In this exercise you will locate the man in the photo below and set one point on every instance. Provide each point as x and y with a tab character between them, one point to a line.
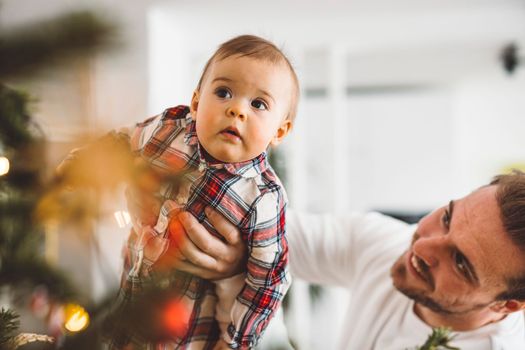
462	266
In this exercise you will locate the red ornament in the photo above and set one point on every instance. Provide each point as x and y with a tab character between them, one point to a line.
175	317
176	231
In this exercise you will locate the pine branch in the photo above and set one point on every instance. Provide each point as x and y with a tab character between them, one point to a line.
29	271
9	323
25	51
438	340
26	338
14	116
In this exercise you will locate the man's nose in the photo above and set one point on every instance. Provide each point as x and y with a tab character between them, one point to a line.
430	249
236	110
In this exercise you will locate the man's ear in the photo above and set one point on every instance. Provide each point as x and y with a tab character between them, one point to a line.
194	104
281	133
508	306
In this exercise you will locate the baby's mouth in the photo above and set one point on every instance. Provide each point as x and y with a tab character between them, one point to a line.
231	131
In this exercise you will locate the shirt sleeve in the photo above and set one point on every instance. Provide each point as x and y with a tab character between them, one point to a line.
330	249
267	279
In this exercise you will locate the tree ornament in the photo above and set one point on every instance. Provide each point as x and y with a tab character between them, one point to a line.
76	318
4	166
40	304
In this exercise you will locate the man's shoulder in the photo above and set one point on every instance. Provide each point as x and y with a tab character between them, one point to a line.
368	225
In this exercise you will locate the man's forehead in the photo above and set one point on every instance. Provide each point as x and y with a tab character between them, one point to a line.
479	206
482	236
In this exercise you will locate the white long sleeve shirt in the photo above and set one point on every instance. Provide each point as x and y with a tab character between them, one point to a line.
356	252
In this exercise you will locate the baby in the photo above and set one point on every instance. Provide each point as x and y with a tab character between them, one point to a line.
214	152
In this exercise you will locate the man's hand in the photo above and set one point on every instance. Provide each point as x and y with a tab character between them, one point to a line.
193	249
206	255
221	345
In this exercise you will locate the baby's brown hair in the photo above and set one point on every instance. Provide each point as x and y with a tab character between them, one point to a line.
259	49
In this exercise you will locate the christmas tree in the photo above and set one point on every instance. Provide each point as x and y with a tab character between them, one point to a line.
24	52
29	200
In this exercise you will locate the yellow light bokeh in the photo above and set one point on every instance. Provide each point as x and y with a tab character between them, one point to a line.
4	166
76	318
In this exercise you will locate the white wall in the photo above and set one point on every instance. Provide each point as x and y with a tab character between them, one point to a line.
490	126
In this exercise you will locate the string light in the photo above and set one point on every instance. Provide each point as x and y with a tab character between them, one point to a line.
4	166
122	218
76	318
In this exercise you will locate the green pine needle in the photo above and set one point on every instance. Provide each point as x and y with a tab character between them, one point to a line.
14	117
438	340
9	323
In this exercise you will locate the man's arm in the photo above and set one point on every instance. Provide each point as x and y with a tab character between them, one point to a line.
320	247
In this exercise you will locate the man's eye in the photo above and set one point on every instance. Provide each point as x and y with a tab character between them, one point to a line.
223	93
446	218
461	265
259	104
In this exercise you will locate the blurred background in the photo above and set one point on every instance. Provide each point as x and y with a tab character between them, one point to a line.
404	105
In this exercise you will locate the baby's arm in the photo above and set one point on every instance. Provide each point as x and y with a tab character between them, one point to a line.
101	164
267	279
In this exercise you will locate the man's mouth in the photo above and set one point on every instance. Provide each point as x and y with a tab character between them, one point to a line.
420	268
415	263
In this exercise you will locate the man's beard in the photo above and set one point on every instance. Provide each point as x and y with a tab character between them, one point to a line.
426	301
399	272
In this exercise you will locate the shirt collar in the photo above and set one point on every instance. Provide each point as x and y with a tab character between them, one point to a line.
248	169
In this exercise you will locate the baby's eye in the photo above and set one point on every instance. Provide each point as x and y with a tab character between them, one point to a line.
259	104
223	93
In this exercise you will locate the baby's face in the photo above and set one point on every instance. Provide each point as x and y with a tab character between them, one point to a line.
241	107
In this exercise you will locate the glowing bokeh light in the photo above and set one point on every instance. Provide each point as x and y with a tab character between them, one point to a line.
175	318
4	166
76	318
122	218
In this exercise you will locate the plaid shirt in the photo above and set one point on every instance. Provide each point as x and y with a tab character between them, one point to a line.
248	194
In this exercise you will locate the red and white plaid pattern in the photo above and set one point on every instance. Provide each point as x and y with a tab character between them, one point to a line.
248	194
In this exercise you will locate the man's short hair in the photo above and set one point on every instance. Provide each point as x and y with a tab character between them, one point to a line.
510	195
259	49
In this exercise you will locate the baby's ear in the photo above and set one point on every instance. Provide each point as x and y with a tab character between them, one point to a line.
194	104
281	133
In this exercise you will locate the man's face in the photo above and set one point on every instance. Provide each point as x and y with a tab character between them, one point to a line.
241	107
460	256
